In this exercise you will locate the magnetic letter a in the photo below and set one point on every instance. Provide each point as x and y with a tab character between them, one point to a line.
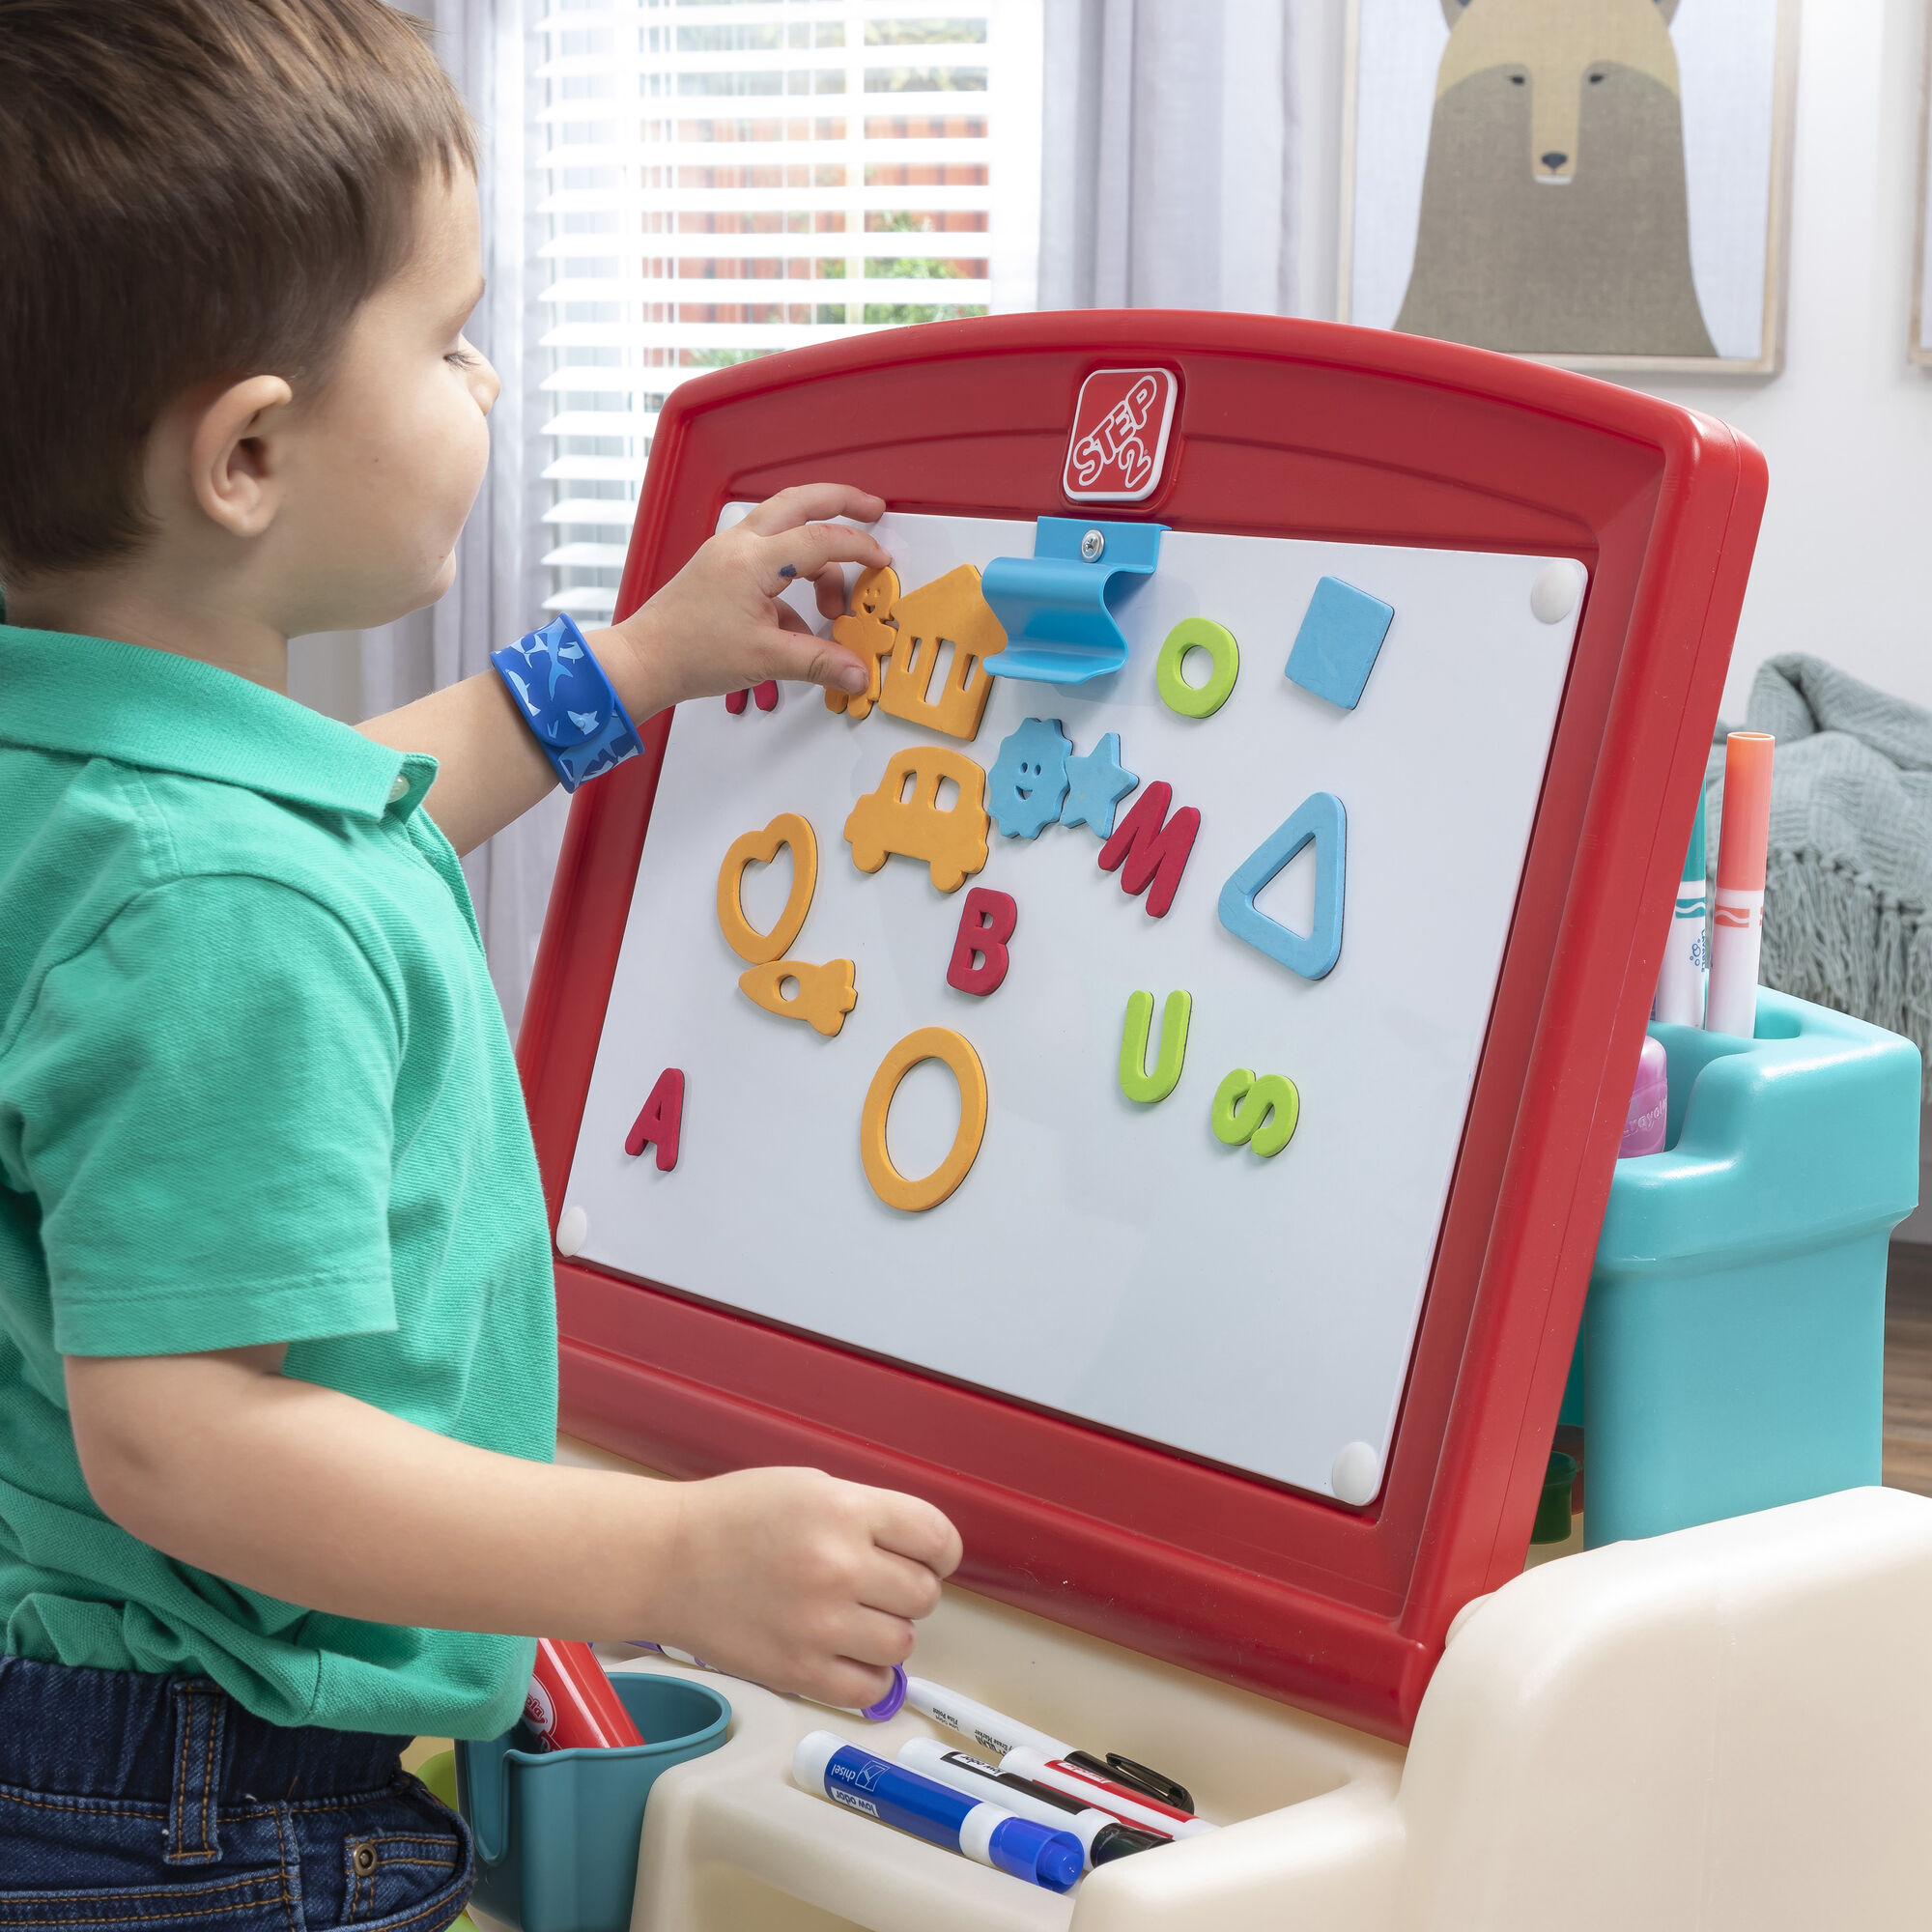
1321	818
986	922
659	1121
1153	852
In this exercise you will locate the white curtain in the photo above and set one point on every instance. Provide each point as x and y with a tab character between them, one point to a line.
1169	130
500	583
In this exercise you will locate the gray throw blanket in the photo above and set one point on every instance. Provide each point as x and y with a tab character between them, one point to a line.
1846	920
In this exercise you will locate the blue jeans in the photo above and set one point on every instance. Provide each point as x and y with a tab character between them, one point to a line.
134	1801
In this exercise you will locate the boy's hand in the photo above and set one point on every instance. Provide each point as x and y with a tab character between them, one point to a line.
802	1582
791	1577
718	625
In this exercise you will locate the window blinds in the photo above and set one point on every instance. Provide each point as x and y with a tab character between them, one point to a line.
725	178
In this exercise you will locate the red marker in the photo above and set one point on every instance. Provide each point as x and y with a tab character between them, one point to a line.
571	1704
1118	1800
1737	919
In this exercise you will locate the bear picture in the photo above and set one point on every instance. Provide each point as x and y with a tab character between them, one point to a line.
1591	181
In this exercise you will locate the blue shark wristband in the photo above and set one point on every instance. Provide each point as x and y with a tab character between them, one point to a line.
567	702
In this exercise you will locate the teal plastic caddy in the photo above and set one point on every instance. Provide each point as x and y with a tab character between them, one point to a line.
557	1832
1732	1354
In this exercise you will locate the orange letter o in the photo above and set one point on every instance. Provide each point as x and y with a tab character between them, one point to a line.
914	1197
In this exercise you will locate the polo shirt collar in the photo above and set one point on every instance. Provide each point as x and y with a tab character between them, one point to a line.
92	697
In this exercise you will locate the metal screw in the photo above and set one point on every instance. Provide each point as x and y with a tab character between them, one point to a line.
1092	545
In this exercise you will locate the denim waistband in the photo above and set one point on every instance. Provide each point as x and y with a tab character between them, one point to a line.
126	1734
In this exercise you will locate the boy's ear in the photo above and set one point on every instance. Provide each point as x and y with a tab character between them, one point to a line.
230	467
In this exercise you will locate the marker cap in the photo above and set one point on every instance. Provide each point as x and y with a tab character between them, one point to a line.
1746	831
1031	1851
1696	861
1649	1103
890	1704
1136	1776
1116	1841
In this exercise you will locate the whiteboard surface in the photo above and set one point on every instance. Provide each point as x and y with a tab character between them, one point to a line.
1103	1259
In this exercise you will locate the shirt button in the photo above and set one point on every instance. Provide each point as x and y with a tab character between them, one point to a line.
400	789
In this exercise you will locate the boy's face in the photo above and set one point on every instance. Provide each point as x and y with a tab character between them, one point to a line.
387	457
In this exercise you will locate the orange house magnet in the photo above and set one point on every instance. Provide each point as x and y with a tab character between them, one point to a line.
949	610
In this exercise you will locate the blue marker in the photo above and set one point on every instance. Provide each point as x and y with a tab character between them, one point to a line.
825	1764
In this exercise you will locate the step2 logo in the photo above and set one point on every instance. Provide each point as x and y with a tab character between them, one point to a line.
1120	427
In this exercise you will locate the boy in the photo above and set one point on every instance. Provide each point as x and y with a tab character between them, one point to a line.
276	1349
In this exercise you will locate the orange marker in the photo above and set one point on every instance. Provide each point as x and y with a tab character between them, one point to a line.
1737	918
571	1703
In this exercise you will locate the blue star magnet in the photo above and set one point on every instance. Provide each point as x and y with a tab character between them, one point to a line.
1095	784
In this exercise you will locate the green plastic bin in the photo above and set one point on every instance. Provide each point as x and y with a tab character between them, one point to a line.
557	1832
1733	1343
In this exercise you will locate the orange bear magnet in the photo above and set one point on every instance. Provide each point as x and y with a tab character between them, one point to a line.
868	631
825	994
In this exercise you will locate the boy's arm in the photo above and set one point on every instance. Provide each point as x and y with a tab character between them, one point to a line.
783	1575
716	626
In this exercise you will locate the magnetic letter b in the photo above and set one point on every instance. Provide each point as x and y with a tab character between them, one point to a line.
986	922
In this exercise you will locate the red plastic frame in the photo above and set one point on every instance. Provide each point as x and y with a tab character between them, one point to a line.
1283	428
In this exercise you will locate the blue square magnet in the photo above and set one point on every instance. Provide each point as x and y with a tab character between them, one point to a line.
1339	640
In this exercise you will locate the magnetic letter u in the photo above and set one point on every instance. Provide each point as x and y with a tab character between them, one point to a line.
1136	1082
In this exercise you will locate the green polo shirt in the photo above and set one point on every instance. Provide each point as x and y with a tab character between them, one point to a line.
254	1088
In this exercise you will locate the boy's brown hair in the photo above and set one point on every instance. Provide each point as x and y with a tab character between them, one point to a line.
190	190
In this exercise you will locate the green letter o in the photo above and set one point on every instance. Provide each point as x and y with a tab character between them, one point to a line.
1193	634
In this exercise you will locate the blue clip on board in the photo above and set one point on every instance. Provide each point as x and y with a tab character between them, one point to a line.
1055	606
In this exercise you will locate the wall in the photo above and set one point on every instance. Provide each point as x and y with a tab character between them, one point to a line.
1844	569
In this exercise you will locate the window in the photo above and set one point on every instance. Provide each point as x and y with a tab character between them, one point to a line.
727	178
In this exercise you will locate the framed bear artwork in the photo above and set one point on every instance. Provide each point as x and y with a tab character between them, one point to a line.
1603	184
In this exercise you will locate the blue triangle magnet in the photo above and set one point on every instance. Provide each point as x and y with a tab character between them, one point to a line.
1320	817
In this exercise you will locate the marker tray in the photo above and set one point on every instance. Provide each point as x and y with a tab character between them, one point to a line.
1732	1352
557	1832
